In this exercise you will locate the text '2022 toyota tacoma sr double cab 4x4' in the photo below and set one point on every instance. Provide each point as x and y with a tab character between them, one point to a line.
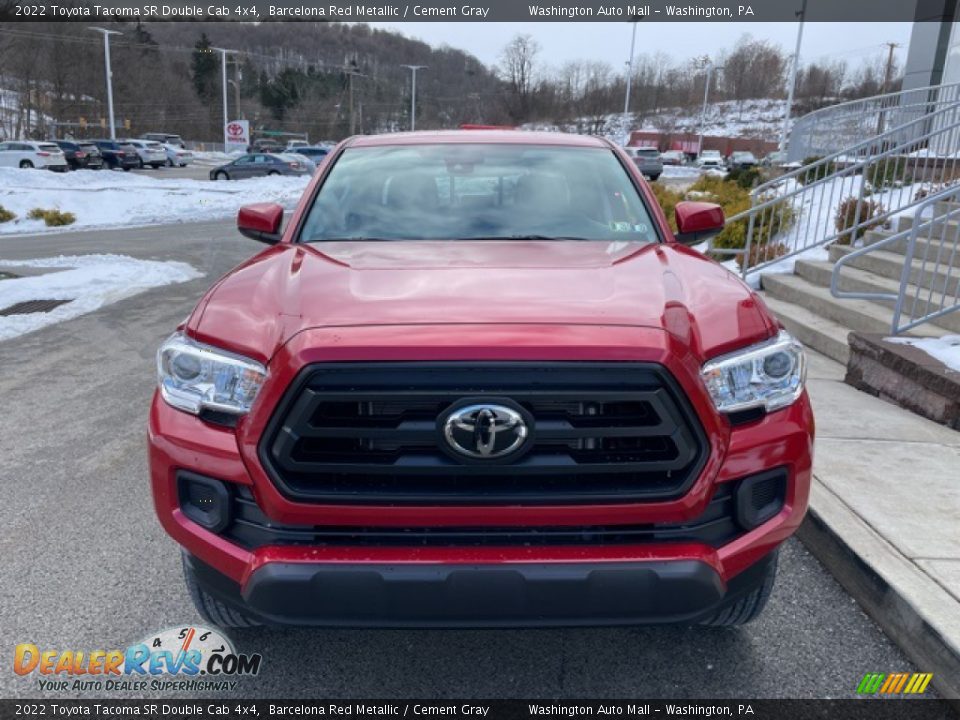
477	380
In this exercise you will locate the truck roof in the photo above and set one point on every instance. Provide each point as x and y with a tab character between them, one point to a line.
513	137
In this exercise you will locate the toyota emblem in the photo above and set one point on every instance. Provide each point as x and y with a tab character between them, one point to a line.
485	431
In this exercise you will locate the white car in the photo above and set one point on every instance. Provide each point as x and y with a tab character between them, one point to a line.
710	159
176	155
30	154
149	152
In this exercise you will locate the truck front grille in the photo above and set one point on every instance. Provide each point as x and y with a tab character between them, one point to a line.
370	433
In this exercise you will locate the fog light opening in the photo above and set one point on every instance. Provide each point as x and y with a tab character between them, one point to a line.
761	497
204	500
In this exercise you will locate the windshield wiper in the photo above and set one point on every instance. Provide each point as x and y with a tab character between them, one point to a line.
530	237
358	238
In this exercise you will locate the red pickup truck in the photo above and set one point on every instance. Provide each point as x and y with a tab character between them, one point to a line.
476	380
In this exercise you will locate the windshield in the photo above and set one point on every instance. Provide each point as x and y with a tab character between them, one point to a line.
478	192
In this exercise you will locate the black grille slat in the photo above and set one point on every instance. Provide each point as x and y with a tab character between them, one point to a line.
367	432
716	526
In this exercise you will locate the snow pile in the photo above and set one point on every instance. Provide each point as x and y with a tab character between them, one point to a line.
946	349
89	281
100	198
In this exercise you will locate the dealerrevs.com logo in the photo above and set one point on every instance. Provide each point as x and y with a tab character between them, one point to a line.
189	658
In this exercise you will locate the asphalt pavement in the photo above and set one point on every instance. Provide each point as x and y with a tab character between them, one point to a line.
86	565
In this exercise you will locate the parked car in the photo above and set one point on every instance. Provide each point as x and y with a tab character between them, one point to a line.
80	155
648	160
775	159
166	138
149	152
477	380
314	152
294	155
741	160
710	159
265	145
295	144
176	155
32	154
673	157
260	164
118	154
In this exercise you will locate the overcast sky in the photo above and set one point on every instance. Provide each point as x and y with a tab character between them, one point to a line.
561	41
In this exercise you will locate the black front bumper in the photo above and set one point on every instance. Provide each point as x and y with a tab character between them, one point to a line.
456	595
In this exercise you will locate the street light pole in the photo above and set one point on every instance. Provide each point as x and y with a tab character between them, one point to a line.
413	93
223	71
793	79
633	44
703	112
106	60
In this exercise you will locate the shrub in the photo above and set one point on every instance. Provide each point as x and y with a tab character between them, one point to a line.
667	199
746	178
5	215
887	174
765	252
52	218
847	214
821	171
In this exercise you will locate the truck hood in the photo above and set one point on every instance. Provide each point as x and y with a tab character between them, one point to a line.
290	288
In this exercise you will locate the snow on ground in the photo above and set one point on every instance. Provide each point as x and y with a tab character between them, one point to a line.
681	171
89	281
946	349
102	199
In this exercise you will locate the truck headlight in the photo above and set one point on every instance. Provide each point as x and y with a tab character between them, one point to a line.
195	377
769	375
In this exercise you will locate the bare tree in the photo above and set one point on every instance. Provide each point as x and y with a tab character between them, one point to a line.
517	68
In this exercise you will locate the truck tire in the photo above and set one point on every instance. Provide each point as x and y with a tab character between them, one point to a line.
748	607
211	609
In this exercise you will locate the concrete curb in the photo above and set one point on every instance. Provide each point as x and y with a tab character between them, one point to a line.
914	610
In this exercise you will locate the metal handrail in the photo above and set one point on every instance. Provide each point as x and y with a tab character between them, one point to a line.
912	234
773	209
826	129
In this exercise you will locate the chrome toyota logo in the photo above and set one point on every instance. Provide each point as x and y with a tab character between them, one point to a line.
485	431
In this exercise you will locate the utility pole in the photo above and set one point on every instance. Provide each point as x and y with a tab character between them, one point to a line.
106	59
351	71
633	45
793	79
223	71
888	73
413	93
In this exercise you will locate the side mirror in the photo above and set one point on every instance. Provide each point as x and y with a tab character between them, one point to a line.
261	222
697	221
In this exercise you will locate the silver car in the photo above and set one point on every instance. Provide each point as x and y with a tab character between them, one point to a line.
260	164
176	155
647	160
149	152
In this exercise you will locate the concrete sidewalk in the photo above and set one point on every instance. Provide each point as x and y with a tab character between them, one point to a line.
885	517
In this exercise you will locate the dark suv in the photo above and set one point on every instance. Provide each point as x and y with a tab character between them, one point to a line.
118	154
81	155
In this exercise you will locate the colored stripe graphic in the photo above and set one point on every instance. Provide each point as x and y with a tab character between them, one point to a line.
894	684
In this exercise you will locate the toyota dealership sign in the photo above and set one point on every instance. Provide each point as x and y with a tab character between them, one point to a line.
236	135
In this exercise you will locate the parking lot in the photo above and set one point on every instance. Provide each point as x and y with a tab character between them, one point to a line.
88	566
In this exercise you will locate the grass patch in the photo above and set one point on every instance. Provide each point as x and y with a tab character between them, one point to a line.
6	215
53	217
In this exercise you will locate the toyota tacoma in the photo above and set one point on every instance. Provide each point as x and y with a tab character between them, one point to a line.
476	379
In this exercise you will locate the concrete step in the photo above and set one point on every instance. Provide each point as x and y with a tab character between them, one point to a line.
815	332
857	280
859	315
890	265
926	246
